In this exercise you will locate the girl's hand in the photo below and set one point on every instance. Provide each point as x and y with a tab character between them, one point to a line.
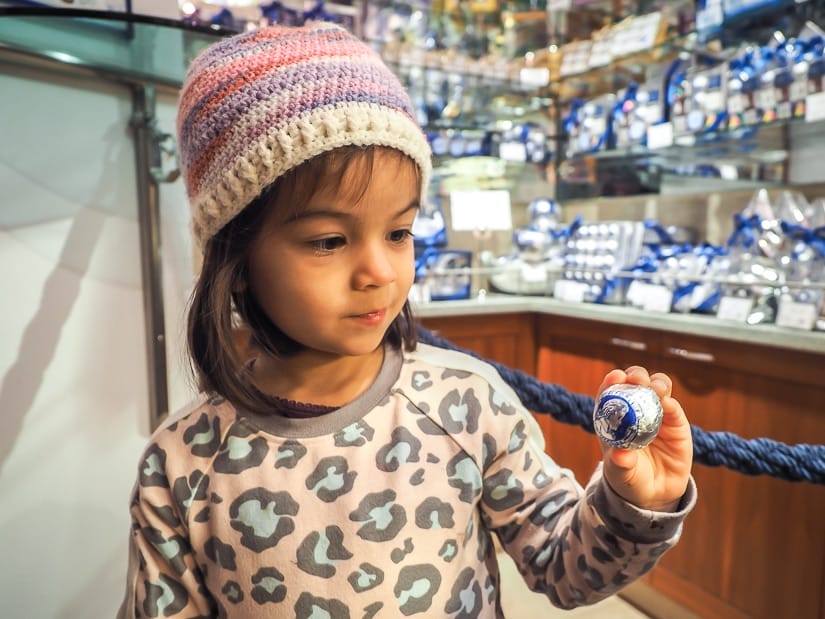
656	476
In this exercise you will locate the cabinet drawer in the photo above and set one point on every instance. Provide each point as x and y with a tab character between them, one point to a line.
787	365
626	338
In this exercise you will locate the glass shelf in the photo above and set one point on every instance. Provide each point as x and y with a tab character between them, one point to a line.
621	70
767	143
132	47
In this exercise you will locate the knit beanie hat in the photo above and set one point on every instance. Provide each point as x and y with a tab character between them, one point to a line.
258	104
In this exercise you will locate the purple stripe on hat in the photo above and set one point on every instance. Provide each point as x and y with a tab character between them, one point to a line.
254	55
333	72
263	42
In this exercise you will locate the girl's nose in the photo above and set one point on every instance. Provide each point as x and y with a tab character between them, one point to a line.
373	266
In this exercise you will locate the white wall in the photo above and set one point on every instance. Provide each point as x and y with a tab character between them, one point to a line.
73	377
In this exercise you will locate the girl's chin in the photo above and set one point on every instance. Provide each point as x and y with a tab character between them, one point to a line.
349	349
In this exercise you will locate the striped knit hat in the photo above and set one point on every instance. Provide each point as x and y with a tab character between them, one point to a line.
258	104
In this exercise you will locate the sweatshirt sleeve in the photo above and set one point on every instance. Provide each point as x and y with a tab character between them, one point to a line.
576	545
163	578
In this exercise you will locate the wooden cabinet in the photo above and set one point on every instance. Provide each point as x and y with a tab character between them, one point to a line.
761	539
754	547
506	338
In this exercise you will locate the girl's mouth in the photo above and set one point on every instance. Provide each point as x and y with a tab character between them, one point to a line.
371	318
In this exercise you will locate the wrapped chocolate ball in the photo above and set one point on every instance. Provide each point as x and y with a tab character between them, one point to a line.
627	416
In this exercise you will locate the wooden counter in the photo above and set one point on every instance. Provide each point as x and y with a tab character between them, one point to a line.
754	547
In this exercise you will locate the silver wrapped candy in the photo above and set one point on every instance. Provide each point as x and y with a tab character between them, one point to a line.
628	416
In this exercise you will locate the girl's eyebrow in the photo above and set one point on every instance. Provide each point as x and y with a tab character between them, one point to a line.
321	213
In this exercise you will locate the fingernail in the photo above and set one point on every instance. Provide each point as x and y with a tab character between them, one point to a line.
659	384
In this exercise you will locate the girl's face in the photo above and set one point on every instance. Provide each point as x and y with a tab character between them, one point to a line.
334	275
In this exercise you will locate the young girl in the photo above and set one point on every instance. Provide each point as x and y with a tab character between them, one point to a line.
333	468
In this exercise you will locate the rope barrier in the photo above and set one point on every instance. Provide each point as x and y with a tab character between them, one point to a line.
758	456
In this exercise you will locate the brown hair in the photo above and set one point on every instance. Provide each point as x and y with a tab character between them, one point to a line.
222	306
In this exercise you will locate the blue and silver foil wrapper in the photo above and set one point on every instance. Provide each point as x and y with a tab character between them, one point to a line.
628	416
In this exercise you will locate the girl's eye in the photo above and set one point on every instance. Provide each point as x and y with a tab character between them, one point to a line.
327	245
399	236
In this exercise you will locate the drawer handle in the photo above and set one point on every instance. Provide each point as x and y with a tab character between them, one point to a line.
691	355
620	341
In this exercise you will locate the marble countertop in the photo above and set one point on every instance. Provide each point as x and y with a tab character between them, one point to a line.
693	324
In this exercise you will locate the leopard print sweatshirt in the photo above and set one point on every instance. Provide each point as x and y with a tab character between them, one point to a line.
386	507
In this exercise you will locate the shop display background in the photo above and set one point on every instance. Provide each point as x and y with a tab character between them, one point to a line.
73	363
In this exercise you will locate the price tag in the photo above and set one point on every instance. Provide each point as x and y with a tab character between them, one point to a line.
713	101
658	298
750	117
799	89
569	290
534	77
660	136
796	315
736	103
734	308
635	293
480	210
652	297
600	53
815	107
766	98
512	151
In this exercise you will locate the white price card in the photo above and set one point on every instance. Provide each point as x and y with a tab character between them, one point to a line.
569	290
657	298
766	98
534	77
651	297
815	107
635	293
512	151
796	315
799	89
735	308
714	101
480	210
660	136
737	103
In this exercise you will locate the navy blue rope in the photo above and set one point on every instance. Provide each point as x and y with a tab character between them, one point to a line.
758	456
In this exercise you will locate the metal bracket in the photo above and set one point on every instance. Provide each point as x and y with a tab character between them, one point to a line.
152	148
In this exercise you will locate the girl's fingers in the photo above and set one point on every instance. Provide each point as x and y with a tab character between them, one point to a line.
661	384
614	377
624	459
637	375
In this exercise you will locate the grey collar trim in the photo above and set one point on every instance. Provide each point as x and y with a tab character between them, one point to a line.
338	419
